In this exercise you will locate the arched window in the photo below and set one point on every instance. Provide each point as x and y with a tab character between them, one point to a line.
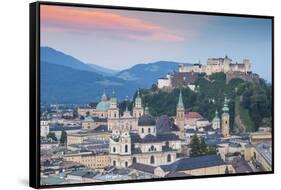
154	130
152	161
114	163
114	149
149	130
134	160
169	158
126	148
142	130
126	164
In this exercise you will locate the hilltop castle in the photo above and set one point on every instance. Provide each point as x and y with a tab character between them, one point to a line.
186	75
215	65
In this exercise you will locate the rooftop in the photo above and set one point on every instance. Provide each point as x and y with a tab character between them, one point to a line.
193	163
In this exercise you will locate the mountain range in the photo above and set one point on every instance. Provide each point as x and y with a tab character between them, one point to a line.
66	79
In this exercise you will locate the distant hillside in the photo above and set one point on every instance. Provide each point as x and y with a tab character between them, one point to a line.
53	56
103	70
66	79
146	74
61	84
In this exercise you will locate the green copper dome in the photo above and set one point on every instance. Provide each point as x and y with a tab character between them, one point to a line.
103	106
216	118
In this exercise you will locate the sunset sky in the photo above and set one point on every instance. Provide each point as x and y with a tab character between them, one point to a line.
119	39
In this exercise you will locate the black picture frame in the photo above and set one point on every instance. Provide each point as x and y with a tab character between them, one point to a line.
34	91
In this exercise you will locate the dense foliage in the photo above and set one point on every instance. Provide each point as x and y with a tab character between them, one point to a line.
252	98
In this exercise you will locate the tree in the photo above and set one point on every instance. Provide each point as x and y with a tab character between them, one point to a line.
203	147
195	146
52	136
63	137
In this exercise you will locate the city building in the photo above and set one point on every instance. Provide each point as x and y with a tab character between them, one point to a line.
196	166
89	159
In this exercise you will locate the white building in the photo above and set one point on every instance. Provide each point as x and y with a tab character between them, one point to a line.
44	128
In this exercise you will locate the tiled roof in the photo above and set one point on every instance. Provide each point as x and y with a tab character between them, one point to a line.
190	115
193	163
142	167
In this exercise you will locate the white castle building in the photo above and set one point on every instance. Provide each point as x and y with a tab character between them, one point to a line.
215	65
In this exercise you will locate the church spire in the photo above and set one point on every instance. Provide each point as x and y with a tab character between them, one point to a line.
180	102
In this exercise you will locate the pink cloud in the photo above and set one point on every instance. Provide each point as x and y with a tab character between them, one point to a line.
61	19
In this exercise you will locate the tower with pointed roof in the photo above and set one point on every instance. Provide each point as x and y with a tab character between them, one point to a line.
138	109
113	111
180	117
225	119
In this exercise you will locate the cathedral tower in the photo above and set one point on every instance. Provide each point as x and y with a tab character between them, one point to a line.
180	117
113	111
225	119
138	109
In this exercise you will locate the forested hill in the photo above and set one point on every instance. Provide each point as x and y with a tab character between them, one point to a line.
250	103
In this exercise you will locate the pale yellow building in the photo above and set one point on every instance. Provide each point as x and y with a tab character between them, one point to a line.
94	161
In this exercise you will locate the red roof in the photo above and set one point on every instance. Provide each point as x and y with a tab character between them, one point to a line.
193	115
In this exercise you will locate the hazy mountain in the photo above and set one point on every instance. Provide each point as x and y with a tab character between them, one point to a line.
53	56
65	79
147	74
103	70
61	84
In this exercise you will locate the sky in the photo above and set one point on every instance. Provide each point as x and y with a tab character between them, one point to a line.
119	39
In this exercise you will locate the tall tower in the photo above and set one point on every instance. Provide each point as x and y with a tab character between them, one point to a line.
180	117
138	109
225	119
113	111
120	148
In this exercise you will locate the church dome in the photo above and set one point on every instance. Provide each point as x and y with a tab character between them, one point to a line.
103	106
146	120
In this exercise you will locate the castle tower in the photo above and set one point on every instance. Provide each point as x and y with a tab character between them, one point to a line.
180	117
216	122
138	109
225	119
247	65
226	64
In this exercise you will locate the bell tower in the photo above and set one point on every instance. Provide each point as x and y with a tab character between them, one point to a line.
113	111
225	119
180	117
138	109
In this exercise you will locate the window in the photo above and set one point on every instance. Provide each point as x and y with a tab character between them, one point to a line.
126	148
149	130
114	163
114	149
142	130
126	164
169	158
152	161
134	160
